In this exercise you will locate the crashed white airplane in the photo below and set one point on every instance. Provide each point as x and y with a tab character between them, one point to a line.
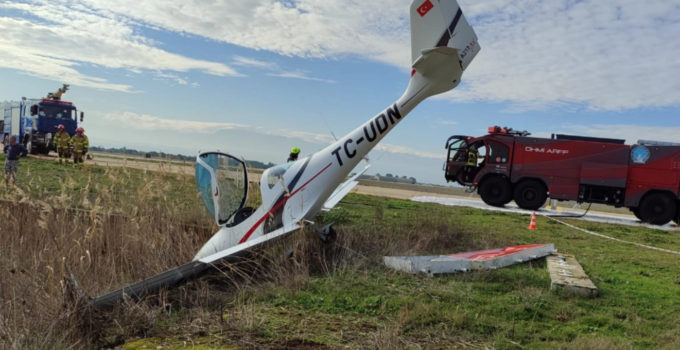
442	46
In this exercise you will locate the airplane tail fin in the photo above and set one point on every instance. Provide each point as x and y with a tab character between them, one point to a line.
440	24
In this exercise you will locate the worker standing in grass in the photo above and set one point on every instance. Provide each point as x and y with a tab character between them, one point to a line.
63	140
13	151
80	146
294	153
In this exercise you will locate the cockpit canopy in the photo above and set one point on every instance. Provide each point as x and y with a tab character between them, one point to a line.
222	181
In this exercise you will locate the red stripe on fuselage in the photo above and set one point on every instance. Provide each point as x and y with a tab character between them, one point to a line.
277	206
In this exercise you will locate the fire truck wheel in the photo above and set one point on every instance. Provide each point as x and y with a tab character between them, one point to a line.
658	209
496	191
530	195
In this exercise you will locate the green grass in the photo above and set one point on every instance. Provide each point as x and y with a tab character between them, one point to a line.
365	305
130	158
141	159
639	287
510	308
41	178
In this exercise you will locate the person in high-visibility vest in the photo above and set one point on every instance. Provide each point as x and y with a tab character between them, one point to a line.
294	153
80	145
473	156
62	140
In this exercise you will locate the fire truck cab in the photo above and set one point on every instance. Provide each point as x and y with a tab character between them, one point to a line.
507	165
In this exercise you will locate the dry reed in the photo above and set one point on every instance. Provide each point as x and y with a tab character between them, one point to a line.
107	236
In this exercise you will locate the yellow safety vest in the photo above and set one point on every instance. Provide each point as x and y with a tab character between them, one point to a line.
472	158
80	143
62	139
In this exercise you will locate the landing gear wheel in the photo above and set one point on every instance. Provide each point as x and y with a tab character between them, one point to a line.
496	191
327	234
288	254
658	209
530	195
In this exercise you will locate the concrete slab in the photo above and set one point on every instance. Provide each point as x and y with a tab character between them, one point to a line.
567	274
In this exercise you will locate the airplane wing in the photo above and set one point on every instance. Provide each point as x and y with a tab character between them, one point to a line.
250	244
343	190
189	270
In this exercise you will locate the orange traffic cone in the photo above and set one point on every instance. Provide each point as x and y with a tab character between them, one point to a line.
532	226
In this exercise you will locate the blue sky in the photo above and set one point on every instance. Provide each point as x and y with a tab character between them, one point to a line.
253	77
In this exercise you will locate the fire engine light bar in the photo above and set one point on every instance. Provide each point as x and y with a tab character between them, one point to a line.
55	101
656	143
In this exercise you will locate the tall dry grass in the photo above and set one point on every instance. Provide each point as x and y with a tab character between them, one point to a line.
104	235
139	224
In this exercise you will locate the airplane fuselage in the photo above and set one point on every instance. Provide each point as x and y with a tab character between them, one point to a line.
442	45
308	183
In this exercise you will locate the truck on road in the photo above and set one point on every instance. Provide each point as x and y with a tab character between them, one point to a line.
513	166
35	121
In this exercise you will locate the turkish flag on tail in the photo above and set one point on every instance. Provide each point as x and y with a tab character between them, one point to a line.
425	8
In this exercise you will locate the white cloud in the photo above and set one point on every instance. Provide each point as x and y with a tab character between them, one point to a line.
601	54
305	28
273	66
175	78
628	132
152	123
407	150
78	36
605	55
253	63
298	75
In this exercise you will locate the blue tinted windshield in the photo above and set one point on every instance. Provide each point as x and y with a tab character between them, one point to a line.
57	112
227	176
204	181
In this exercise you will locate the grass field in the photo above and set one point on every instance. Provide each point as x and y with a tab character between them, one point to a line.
328	296
422	189
102	155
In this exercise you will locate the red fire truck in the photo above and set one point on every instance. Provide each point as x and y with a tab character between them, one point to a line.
508	165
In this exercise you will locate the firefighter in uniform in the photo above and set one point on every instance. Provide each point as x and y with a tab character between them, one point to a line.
63	141
473	157
294	153
80	145
470	169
